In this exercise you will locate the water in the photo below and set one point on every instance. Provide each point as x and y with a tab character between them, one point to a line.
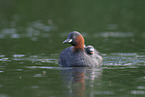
31	36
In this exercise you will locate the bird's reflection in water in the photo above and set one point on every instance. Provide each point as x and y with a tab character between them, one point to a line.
80	80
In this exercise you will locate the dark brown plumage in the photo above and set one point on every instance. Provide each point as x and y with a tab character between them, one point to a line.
77	54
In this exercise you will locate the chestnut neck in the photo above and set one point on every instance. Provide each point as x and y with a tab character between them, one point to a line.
79	43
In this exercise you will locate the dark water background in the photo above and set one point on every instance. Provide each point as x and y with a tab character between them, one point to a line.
31	36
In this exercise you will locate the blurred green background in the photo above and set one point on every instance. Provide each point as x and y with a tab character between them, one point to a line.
108	25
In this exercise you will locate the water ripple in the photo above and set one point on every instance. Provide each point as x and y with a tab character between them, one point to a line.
113	34
124	59
33	29
18	55
137	92
5	59
1	71
112	59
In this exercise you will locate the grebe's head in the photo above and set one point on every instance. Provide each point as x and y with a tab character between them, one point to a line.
75	39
